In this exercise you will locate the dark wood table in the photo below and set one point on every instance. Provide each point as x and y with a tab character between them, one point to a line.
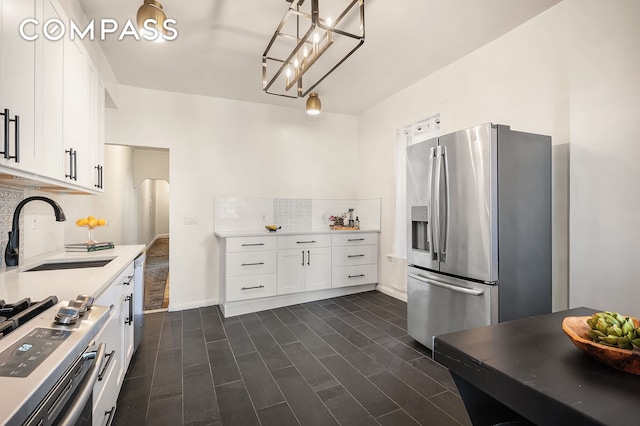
528	369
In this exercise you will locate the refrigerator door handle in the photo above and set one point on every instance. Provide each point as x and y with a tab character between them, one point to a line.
431	281
443	251
432	210
435	201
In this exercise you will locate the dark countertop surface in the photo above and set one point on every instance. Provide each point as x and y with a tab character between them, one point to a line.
532	367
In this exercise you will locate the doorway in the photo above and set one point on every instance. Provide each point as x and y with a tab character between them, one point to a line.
151	190
152	217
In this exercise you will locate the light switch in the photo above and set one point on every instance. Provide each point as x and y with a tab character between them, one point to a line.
191	220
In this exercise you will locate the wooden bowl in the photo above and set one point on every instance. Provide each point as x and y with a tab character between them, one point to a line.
621	359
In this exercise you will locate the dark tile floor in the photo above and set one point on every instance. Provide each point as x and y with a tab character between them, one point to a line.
341	361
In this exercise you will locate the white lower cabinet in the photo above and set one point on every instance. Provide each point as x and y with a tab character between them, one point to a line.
304	270
354	259
264	272
117	334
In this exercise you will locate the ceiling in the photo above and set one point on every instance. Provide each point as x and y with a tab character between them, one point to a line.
219	48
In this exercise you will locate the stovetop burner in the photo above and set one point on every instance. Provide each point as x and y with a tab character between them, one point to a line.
13	315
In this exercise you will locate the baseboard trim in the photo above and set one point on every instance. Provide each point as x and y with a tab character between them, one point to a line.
157	237
389	291
173	307
242	307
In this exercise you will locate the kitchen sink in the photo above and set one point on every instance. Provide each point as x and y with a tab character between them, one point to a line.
61	264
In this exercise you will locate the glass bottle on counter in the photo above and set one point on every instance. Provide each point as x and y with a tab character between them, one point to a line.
357	224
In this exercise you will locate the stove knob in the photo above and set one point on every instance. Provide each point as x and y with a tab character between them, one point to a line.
79	305
88	300
67	315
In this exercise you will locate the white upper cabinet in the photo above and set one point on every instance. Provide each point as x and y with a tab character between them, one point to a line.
56	91
49	81
74	113
17	87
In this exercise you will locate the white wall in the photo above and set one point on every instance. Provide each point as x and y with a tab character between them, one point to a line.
572	73
221	147
150	164
145	216
605	155
162	206
152	210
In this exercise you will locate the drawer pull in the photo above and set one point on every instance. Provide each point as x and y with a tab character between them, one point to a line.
252	264
110	413
356	276
110	358
252	245
355	239
306	242
356	255
251	288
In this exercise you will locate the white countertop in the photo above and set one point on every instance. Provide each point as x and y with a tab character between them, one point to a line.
65	284
261	233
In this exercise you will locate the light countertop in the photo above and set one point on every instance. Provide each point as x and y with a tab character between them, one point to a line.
262	233
65	284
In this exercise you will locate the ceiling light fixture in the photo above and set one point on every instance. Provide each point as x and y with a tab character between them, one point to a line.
300	46
151	10
313	104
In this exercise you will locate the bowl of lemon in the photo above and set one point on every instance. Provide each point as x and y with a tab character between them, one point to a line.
90	223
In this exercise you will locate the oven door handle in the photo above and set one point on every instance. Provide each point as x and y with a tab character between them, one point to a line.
83	395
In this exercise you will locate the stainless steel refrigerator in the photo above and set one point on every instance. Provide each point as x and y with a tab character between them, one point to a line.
479	230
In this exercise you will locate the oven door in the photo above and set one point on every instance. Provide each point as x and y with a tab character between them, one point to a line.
70	402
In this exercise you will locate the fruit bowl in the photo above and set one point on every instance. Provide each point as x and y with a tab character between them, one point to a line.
626	360
91	223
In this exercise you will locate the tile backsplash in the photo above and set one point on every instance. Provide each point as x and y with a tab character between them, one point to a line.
293	214
39	231
10	197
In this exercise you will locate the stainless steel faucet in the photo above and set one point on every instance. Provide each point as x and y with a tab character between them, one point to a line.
13	245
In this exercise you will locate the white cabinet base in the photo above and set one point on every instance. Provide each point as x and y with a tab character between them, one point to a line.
242	307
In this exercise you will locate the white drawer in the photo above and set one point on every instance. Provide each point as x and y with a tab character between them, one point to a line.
353	239
303	241
124	282
103	390
354	275
354	255
241	244
251	263
251	287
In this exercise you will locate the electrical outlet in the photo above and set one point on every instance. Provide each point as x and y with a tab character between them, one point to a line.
191	220
263	218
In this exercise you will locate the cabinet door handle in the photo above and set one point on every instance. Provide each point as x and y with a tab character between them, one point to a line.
308	257
356	239
75	165
70	152
16	122
251	245
252	264
302	257
97	185
251	288
6	115
306	242
129	319
106	365
356	255
356	276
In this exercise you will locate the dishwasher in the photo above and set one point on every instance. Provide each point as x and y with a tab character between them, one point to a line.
138	298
